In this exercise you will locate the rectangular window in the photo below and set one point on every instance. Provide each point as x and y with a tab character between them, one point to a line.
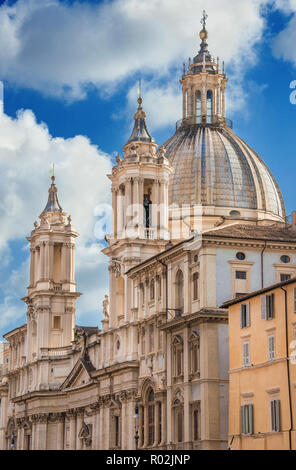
179	362
271	348
245	315
246	354
285	277
239	294
56	323
240	274
247	419
275	415
267	307
195	286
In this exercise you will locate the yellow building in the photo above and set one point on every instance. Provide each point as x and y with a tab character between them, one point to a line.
262	389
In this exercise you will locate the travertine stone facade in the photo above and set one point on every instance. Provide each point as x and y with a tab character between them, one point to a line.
156	375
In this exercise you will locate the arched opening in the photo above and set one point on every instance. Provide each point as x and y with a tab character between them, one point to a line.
179	292
198	107
186	104
209	106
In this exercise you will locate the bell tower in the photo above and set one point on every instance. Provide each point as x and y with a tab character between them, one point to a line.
140	210
52	292
203	86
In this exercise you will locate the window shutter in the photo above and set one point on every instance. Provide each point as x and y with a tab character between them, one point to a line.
277	415
246	354
263	307
272	415
294	299
251	419
241	316
248	318
243	429
271	306
271	348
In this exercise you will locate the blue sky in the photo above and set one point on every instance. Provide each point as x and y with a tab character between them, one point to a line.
70	72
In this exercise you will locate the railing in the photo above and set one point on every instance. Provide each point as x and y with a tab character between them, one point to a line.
149	233
56	352
199	119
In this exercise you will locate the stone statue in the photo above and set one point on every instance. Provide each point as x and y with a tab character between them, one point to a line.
147	209
106	306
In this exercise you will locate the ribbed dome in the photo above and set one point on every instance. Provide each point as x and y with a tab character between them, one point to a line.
214	167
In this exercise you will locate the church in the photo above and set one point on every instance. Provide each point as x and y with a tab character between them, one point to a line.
196	221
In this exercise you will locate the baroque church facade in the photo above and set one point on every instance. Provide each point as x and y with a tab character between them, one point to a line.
196	222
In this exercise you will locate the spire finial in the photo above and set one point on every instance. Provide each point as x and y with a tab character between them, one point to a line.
204	19
140	100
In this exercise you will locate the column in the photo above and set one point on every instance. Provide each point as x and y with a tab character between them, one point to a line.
78	429
64	262
163	423
72	262
128	201
72	437
141	408
60	433
187	387
41	430
46	260
101	429
145	426
50	261
96	437
114	211
120	212
42	253
169	389
123	425
187	286
156	421
32	267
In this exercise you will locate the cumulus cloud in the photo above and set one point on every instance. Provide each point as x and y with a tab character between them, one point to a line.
60	48
27	151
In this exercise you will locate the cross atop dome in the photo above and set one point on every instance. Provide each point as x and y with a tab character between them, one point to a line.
204	19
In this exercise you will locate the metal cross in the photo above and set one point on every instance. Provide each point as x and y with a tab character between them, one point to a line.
204	19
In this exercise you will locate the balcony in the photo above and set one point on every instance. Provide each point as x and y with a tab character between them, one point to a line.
56	352
217	121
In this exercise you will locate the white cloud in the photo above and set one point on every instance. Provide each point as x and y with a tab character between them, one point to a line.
27	151
284	43
59	49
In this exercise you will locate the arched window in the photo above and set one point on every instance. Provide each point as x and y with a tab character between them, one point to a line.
198	107
151	419
179	292
209	106
186	104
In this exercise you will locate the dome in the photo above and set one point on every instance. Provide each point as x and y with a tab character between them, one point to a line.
214	167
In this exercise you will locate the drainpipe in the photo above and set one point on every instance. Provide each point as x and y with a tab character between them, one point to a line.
262	266
288	368
166	286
